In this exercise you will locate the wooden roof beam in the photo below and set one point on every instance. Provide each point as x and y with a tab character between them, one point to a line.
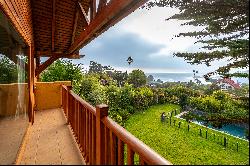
44	65
53	58
75	25
112	13
92	10
101	5
84	13
53	25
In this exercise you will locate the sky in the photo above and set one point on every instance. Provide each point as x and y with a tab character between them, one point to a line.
149	40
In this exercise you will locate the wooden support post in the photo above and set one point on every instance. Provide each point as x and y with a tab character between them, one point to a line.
188	127
206	134
37	65
101	112
31	82
201	132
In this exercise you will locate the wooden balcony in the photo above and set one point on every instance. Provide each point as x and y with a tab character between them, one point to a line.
78	133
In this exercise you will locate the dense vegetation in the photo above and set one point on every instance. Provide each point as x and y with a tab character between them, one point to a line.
127	94
129	101
183	147
9	71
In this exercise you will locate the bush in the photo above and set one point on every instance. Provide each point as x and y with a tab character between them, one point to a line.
64	70
221	108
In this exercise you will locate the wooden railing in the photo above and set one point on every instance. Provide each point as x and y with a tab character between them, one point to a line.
100	139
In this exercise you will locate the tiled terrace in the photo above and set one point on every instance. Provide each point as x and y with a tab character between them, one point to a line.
50	141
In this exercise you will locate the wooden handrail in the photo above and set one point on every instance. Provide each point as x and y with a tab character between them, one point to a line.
148	155
84	103
100	139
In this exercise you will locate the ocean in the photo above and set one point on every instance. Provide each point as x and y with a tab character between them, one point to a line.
172	77
186	77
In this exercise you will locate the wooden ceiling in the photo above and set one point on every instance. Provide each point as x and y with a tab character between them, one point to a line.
57	23
59	28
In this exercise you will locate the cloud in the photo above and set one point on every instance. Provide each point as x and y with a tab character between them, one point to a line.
113	48
147	38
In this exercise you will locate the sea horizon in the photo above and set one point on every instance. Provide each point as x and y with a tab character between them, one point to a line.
186	77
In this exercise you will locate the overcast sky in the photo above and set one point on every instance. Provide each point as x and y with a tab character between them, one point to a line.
149	40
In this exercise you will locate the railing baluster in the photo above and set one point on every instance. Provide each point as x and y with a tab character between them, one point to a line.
85	131
101	112
130	156
120	152
112	148
107	146
70	109
100	139
78	121
142	162
87	137
93	139
80	126
75	116
90	138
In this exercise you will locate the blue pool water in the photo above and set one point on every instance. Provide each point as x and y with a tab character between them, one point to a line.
231	129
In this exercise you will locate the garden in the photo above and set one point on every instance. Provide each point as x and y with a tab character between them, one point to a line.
137	106
184	144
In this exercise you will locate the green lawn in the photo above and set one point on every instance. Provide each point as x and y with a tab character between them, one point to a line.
180	146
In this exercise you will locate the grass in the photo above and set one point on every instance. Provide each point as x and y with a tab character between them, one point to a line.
180	146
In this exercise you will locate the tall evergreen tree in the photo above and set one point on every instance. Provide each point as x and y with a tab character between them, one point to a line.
225	33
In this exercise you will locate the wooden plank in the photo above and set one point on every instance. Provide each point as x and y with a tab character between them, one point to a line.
108	16
53	25
84	13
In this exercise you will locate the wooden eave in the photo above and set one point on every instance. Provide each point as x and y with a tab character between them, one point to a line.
59	28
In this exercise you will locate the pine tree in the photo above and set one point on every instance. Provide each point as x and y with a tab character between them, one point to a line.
225	33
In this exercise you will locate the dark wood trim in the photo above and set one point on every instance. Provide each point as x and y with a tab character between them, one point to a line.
53	58
53	25
75	25
101	5
84	13
48	62
92	10
31	84
107	17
